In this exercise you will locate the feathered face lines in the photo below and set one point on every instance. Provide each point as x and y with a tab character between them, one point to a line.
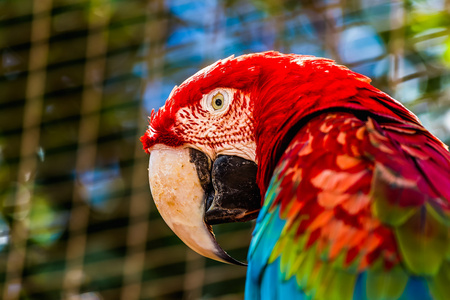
220	124
184	120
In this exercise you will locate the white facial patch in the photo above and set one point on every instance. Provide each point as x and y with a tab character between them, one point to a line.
226	130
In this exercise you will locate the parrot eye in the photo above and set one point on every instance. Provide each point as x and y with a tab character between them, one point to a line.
217	101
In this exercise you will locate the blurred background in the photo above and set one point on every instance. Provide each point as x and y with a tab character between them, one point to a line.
78	79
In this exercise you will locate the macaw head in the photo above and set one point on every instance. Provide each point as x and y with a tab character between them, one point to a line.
212	143
203	165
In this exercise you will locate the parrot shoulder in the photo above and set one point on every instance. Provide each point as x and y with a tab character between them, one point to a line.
352	201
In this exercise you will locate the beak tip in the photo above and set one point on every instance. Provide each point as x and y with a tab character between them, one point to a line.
228	259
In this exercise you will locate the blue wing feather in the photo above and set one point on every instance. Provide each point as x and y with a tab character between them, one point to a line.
265	280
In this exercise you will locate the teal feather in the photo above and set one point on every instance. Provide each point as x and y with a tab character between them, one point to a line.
265	280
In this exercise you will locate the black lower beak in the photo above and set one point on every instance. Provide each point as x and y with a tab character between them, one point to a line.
232	194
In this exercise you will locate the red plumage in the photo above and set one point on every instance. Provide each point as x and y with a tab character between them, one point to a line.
361	185
286	91
338	165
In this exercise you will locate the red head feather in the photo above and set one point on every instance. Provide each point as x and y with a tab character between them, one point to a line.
238	73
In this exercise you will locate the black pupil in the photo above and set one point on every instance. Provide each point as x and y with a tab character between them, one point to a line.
218	102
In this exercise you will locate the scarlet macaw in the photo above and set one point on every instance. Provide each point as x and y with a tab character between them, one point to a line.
355	191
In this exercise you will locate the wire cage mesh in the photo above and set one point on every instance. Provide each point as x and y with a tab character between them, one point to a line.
79	77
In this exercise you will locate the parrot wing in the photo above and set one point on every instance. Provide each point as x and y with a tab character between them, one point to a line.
356	209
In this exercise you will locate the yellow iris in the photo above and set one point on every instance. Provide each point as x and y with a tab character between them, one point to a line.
217	101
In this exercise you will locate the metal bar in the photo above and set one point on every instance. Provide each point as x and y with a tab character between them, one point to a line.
96	48
397	43
35	89
139	203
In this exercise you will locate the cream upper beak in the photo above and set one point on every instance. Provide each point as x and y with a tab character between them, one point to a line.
180	199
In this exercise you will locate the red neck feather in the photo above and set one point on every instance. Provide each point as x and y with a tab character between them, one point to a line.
292	88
